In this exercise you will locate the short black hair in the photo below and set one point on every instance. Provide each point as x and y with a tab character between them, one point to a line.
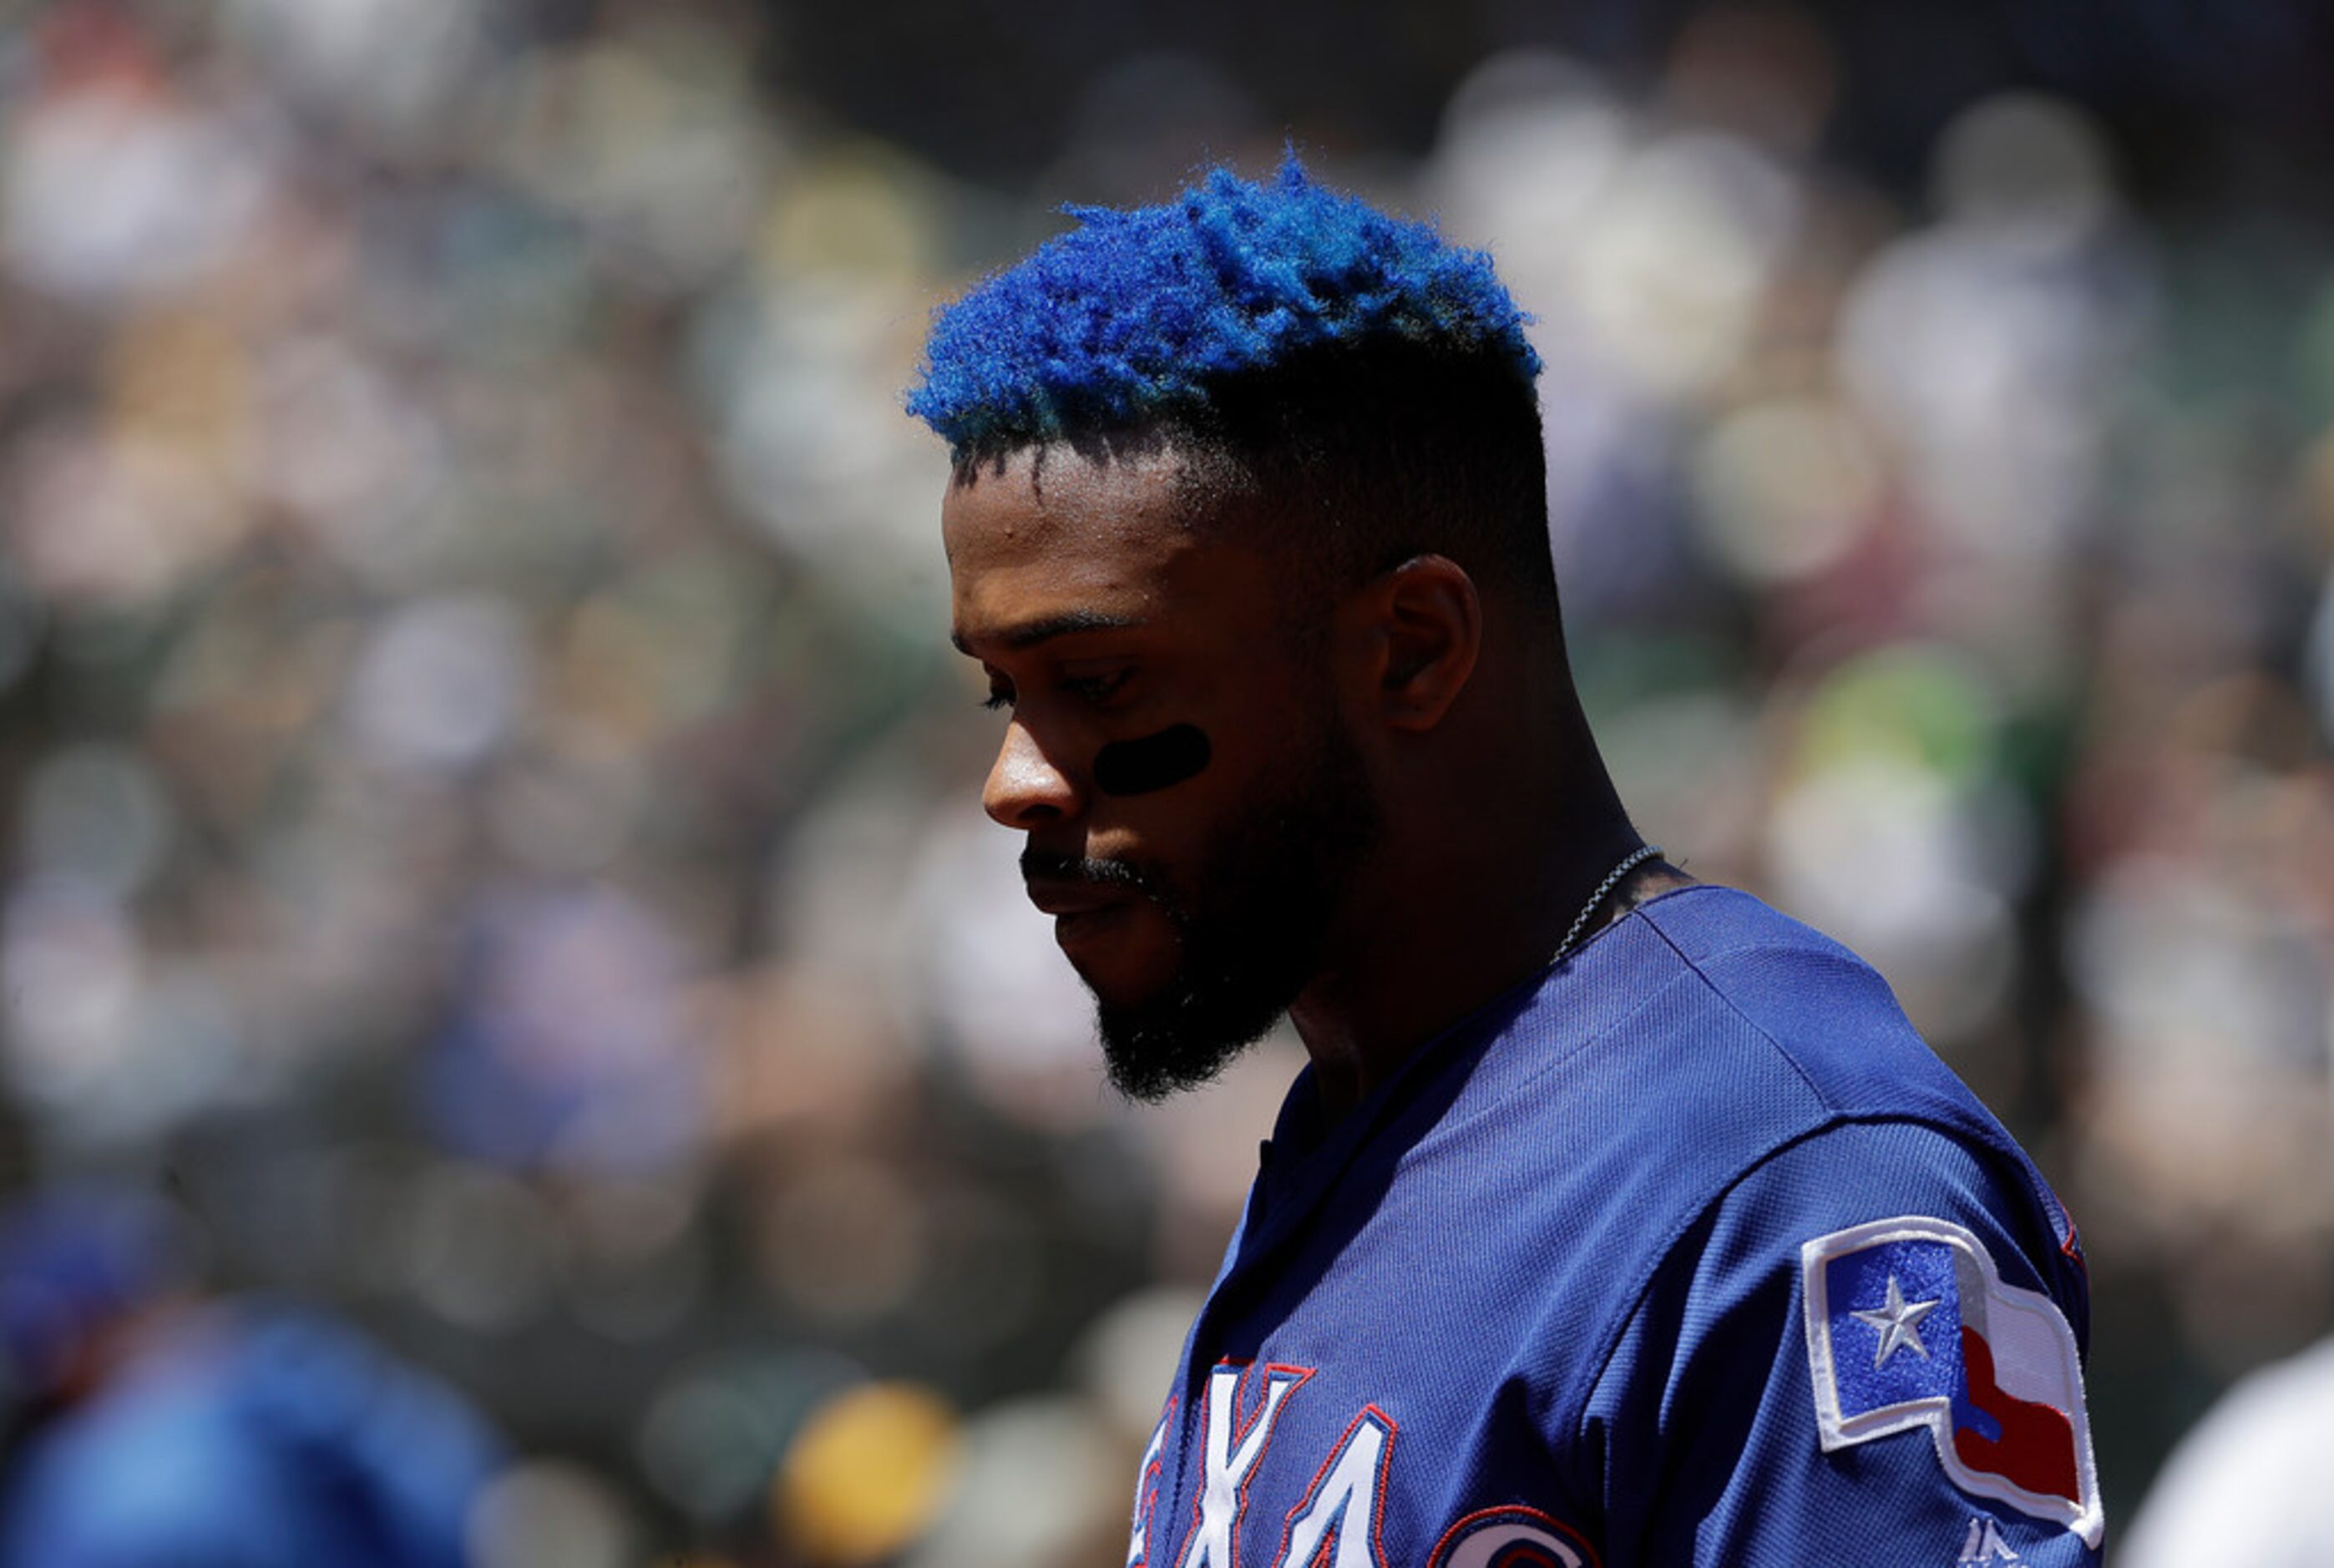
1359	456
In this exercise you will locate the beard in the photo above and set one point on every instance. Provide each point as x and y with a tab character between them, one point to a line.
1252	934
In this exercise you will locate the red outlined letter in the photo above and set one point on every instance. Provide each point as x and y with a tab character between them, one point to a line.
1146	1488
1340	1522
1229	1454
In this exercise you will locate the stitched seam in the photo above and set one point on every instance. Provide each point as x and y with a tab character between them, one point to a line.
1736	1008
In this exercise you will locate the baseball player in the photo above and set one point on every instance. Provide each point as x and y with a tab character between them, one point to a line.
1616	1218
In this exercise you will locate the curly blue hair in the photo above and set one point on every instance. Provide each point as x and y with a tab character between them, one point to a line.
1146	312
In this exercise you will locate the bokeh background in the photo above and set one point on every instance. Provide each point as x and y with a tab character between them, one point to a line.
489	832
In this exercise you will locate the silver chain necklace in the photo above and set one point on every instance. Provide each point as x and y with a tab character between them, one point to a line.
1629	862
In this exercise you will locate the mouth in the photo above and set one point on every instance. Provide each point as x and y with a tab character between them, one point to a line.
1082	911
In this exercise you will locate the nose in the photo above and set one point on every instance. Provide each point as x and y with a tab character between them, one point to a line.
1025	788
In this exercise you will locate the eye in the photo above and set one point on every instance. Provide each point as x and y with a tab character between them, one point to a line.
1095	689
1000	696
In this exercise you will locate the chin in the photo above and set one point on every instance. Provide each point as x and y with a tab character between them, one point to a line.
1182	1033
1126	954
1173	1041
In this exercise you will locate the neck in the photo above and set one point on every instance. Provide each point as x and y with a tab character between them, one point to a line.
1447	926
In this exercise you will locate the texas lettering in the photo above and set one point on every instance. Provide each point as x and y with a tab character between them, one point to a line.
1337	1520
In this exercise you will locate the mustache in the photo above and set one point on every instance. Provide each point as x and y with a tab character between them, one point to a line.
1036	864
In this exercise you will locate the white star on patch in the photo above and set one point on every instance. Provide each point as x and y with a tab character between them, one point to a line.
1899	1323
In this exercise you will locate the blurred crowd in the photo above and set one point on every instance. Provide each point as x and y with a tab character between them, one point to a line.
491	815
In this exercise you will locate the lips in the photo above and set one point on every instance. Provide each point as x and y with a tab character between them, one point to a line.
1082	911
1064	896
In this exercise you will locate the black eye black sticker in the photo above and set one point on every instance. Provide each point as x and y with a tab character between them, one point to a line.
1154	761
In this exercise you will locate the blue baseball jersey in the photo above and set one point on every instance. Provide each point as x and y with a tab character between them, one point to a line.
1688	1252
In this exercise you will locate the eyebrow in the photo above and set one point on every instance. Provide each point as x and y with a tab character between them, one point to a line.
1031	633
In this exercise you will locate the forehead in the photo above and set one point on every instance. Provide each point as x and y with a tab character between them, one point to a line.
1046	535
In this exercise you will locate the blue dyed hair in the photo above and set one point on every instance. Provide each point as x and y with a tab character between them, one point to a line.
1143	313
1367	383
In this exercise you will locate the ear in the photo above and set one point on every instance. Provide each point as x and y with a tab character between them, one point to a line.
1424	626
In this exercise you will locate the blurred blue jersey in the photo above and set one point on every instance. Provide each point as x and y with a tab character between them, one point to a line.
251	1438
1690	1251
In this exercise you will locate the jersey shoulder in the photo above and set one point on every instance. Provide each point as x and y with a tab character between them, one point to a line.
1831	1020
1815	1004
1729	1036
1714	1028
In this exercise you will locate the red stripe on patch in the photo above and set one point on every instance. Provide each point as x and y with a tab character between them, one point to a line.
2036	1450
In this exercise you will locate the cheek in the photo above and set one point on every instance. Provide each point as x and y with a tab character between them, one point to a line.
1152	763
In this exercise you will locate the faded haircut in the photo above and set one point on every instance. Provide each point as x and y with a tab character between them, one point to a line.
1344	376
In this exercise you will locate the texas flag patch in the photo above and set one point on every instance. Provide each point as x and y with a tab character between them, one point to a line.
1909	1326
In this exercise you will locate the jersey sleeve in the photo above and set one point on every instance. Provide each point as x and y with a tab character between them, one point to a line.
1868	1350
